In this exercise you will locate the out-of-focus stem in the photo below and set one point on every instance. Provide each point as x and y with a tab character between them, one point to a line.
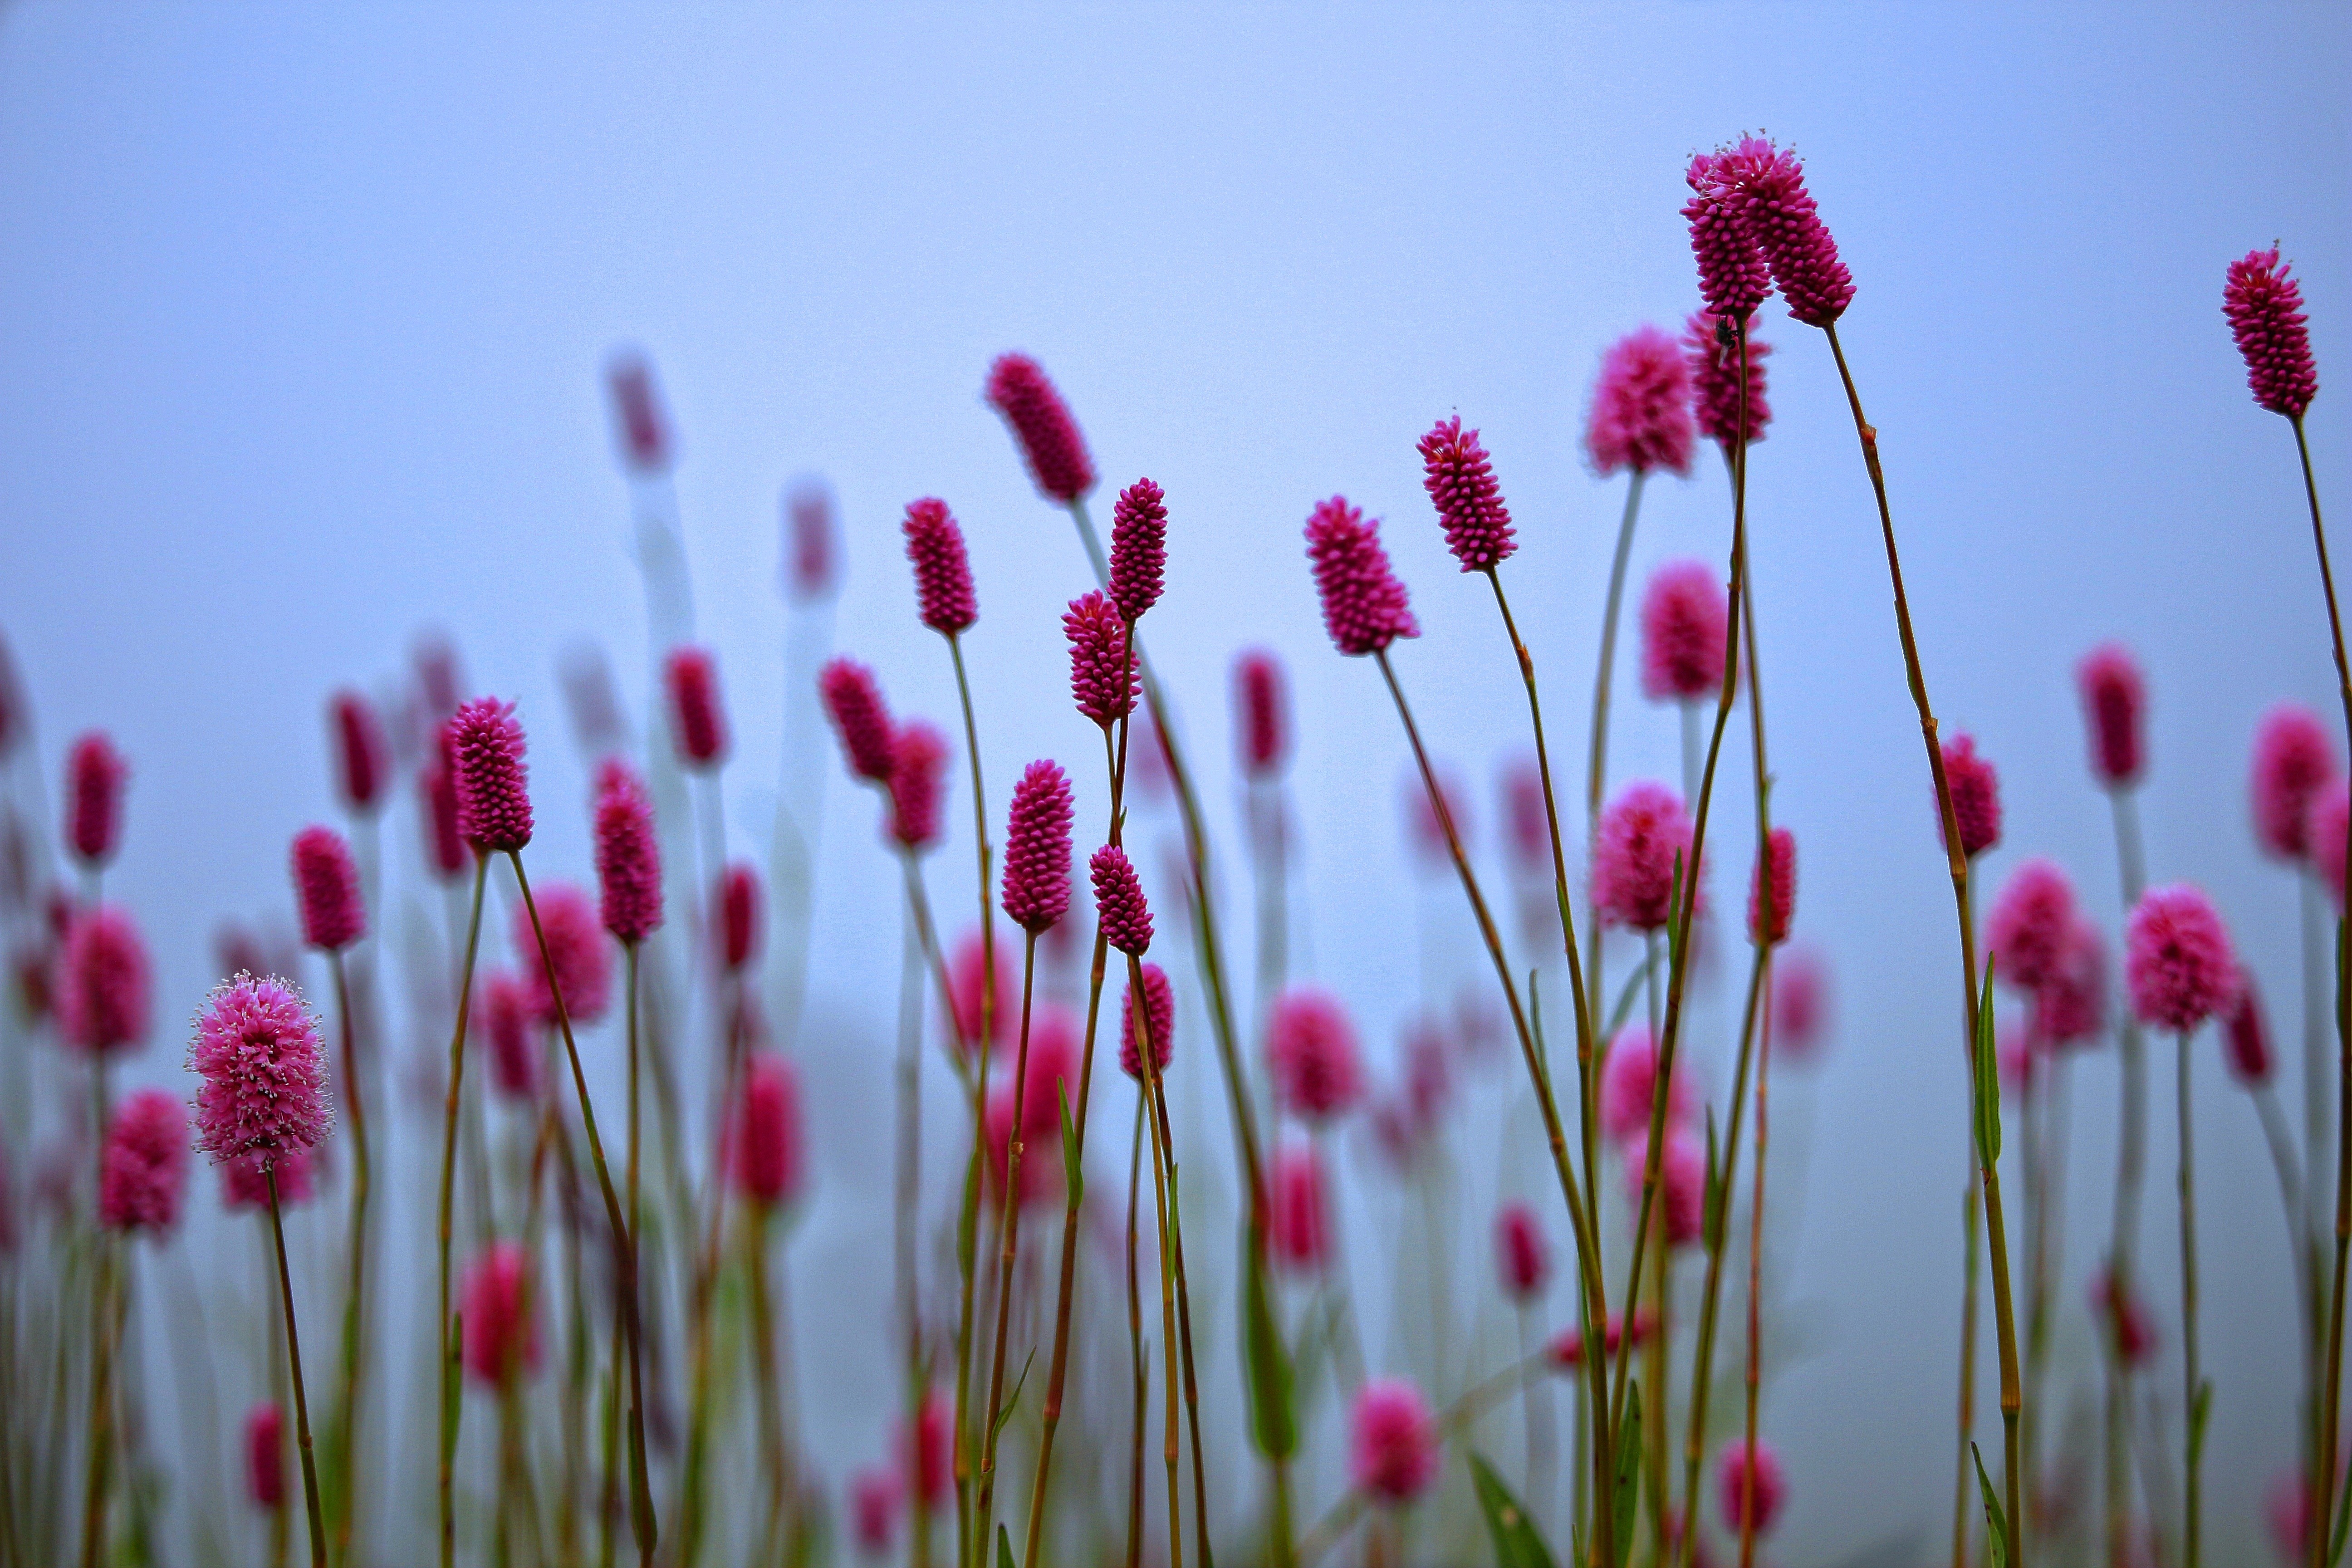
1156	1084
1604	678
345	1462
449	1186
1009	1235
909	1196
2193	1458
2131	1158
1135	1349
763	1357
970	1547
294	1361
1755	1269
2290	1180
101	1332
1168	1352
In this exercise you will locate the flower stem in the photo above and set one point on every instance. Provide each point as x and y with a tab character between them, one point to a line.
2131	1159
1008	1241
2193	1458
101	1331
763	1355
344	1462
448	1419
971	1549
1168	1351
1156	1085
1972	1222
910	1195
294	1358
1135	1349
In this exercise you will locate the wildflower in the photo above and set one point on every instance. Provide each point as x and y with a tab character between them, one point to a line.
2027	931
1460	480
1521	1254
1732	275
501	1332
697	720
511	1025
812	549
1682	1183
327	889
1628	1076
485	747
2294	759
264	1077
766	1142
146	1165
1138	548
265	1456
628	854
920	755
2177	962
95	772
1299	1213
1124	918
359	750
576	963
2115	702
1102	671
1393	1454
1770	184
1261	711
1645	835
1751	1485
943	592
1159	1012
1715	381
1050	443
244	1181
2264	307
854	702
1364	605
1976	796
1036	882
738	916
641	424
1312	1054
1682	633
101	997
1783	864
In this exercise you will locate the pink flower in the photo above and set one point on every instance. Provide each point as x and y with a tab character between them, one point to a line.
2294	759
2027	931
94	775
1783	866
1732	275
265	1089
501	1327
359	750
1125	919
445	846
924	1449
265	1456
966	974
1801	1005
327	889
2069	1008
1521	1255
2115	704
637	416
854	702
1715	381
1138	548
2124	1317
577	963
1310	1049
1770	185
812	552
738	921
766	1142
1364	605
1055	1038
1159	1013
1641	415
1299	1215
1682	1183
1643	833
1393	1454
1038	1182
1750	1484
1976	796
1460	480
628	854
1682	612
1261	708
101	987
244	1181
2178	959
915	785
2331	816
2264	307
146	1166
874	1502
486	749
1050	443
1629	1079
1036	882
1103	676
697	720
944	592
2246	1036
512	1028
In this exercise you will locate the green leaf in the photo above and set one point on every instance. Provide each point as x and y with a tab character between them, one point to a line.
1628	1500
1013	1400
1272	1425
2197	1412
1073	1174
1627	996
1004	1547
1535	1017
1996	1521
1711	1223
1988	1077
1518	1542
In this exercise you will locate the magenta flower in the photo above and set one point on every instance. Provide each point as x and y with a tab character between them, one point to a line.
1261	710
638	418
1732	276
1312	1057
1394	1452
2264	307
917	784
445	846
2115	704
1460	480
1801	1005
1715	381
94	774
576	953
1055	1038
966	974
1035	891
1050	443
923	1450
2030	923
1102	674
1750	1484
1784	891
485	747
1643	833
1159	1012
944	599
1138	548
766	1141
2246	1036
2331	816
1682	1183
1683	628
264	1077
265	1456
1976	796
1770	185
1628	1079
812	541
697	720
1298	1214
327	890
146	1164
1119	908
1641	415
1522	1257
101	997
854	702
1364	604
513	1029
628	854
2125	1316
2178	959
501	1326
738	923
875	1498
2294	759
359	750
2070	1007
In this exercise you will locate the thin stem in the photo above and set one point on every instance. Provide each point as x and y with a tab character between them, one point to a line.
344	1461
1596	784
2131	1160
1168	1351
2195	1391
1135	1352
970	1549
2290	1180
448	1408
103	1331
763	1353
294	1358
1156	1084
1009	1235
909	1196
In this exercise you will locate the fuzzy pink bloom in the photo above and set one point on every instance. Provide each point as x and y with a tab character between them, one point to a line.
2126	1317
102	998
944	592
1365	608
1261	711
2115	705
581	963
2178	959
513	1029
1784	891
638	419
1394	1451
2292	760
1119	908
265	1456
1298	1213
1976	796
1566	1350
1138	548
1311	1052
146	1167
1460	480
854	702
1749	1485
875	1498
1644	833
812	541
698	719
1159	1012
966	973
244	1181
628	854
1733	277
2026	933
445	846
738	921
1050	443
2246	1036
2070	1007
1629	1079
1801	1005
1682	612
1103	675
265	1089
766	1141
1522	1257
917	784
923	1450
1788	227
2264	307
1682	1183
2331	816
486	748
501	1326
1036	882
1641	415
94	775
359	742
1715	381
327	890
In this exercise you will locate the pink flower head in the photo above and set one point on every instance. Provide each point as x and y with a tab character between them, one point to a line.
2125	1316
2265	306
2070	1006
1310	1049
1780	213
501	1328
923	1451
511	1027
2246	1036
1629	1079
359	750
2178	959
1103	677
1393	1454
244	1181
2115	704
1055	1038
875	1498
739	912
1261	708
966	974
580	962
1138	548
1801	1005
1751	1486
486	748
917	782
638	419
1641	415
811	540
265	1456
1715	381
1522	1257
628	854
1124	917
1783	866
2324	831
854	704
1643	833
101	997
1159	1013
2030	922
146	1167
766	1142
1682	1183
1683	614
1037	883
327	890
445	846
944	599
94	775
1050	444
1299	1215
2292	760
265	1089
697	720
1460	480
1364	604
1976	796
1732	275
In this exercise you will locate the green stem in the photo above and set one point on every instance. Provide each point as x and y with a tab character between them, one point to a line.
1009	1236
101	1332
2193	1462
294	1359
971	1550
345	1462
2131	1158
448	1364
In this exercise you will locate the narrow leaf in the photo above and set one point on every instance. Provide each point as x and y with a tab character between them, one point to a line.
1004	1547
1518	1542
1988	1077
1272	1425
1013	1400
1996	1521
1711	1223
1073	1175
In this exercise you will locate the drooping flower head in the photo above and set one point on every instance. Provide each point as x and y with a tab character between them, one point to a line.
1036	882
628	854
2070	1006
2032	920
2246	1036
146	1165
1750	1484
1976	796
697	720
2178	959
1682	1183
1784	867
501	1326
1103	676
811	540
94	775
486	751
265	1456
101	987
639	422
264	1076
916	782
2265	306
1394	1452
1715	381
2115	706
1644	833
1311	1053
1683	615
1050	443
1768	183
1261	712
576	953
854	702
943	592
512	1028
1460	480
1522	1257
739	915
1138	548
1365	608
244	1181
1733	277
1159	1016
327	890
1298	1215
1641	415
764	1138
2292	759
1629	1079
445	846
358	737
1119	907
